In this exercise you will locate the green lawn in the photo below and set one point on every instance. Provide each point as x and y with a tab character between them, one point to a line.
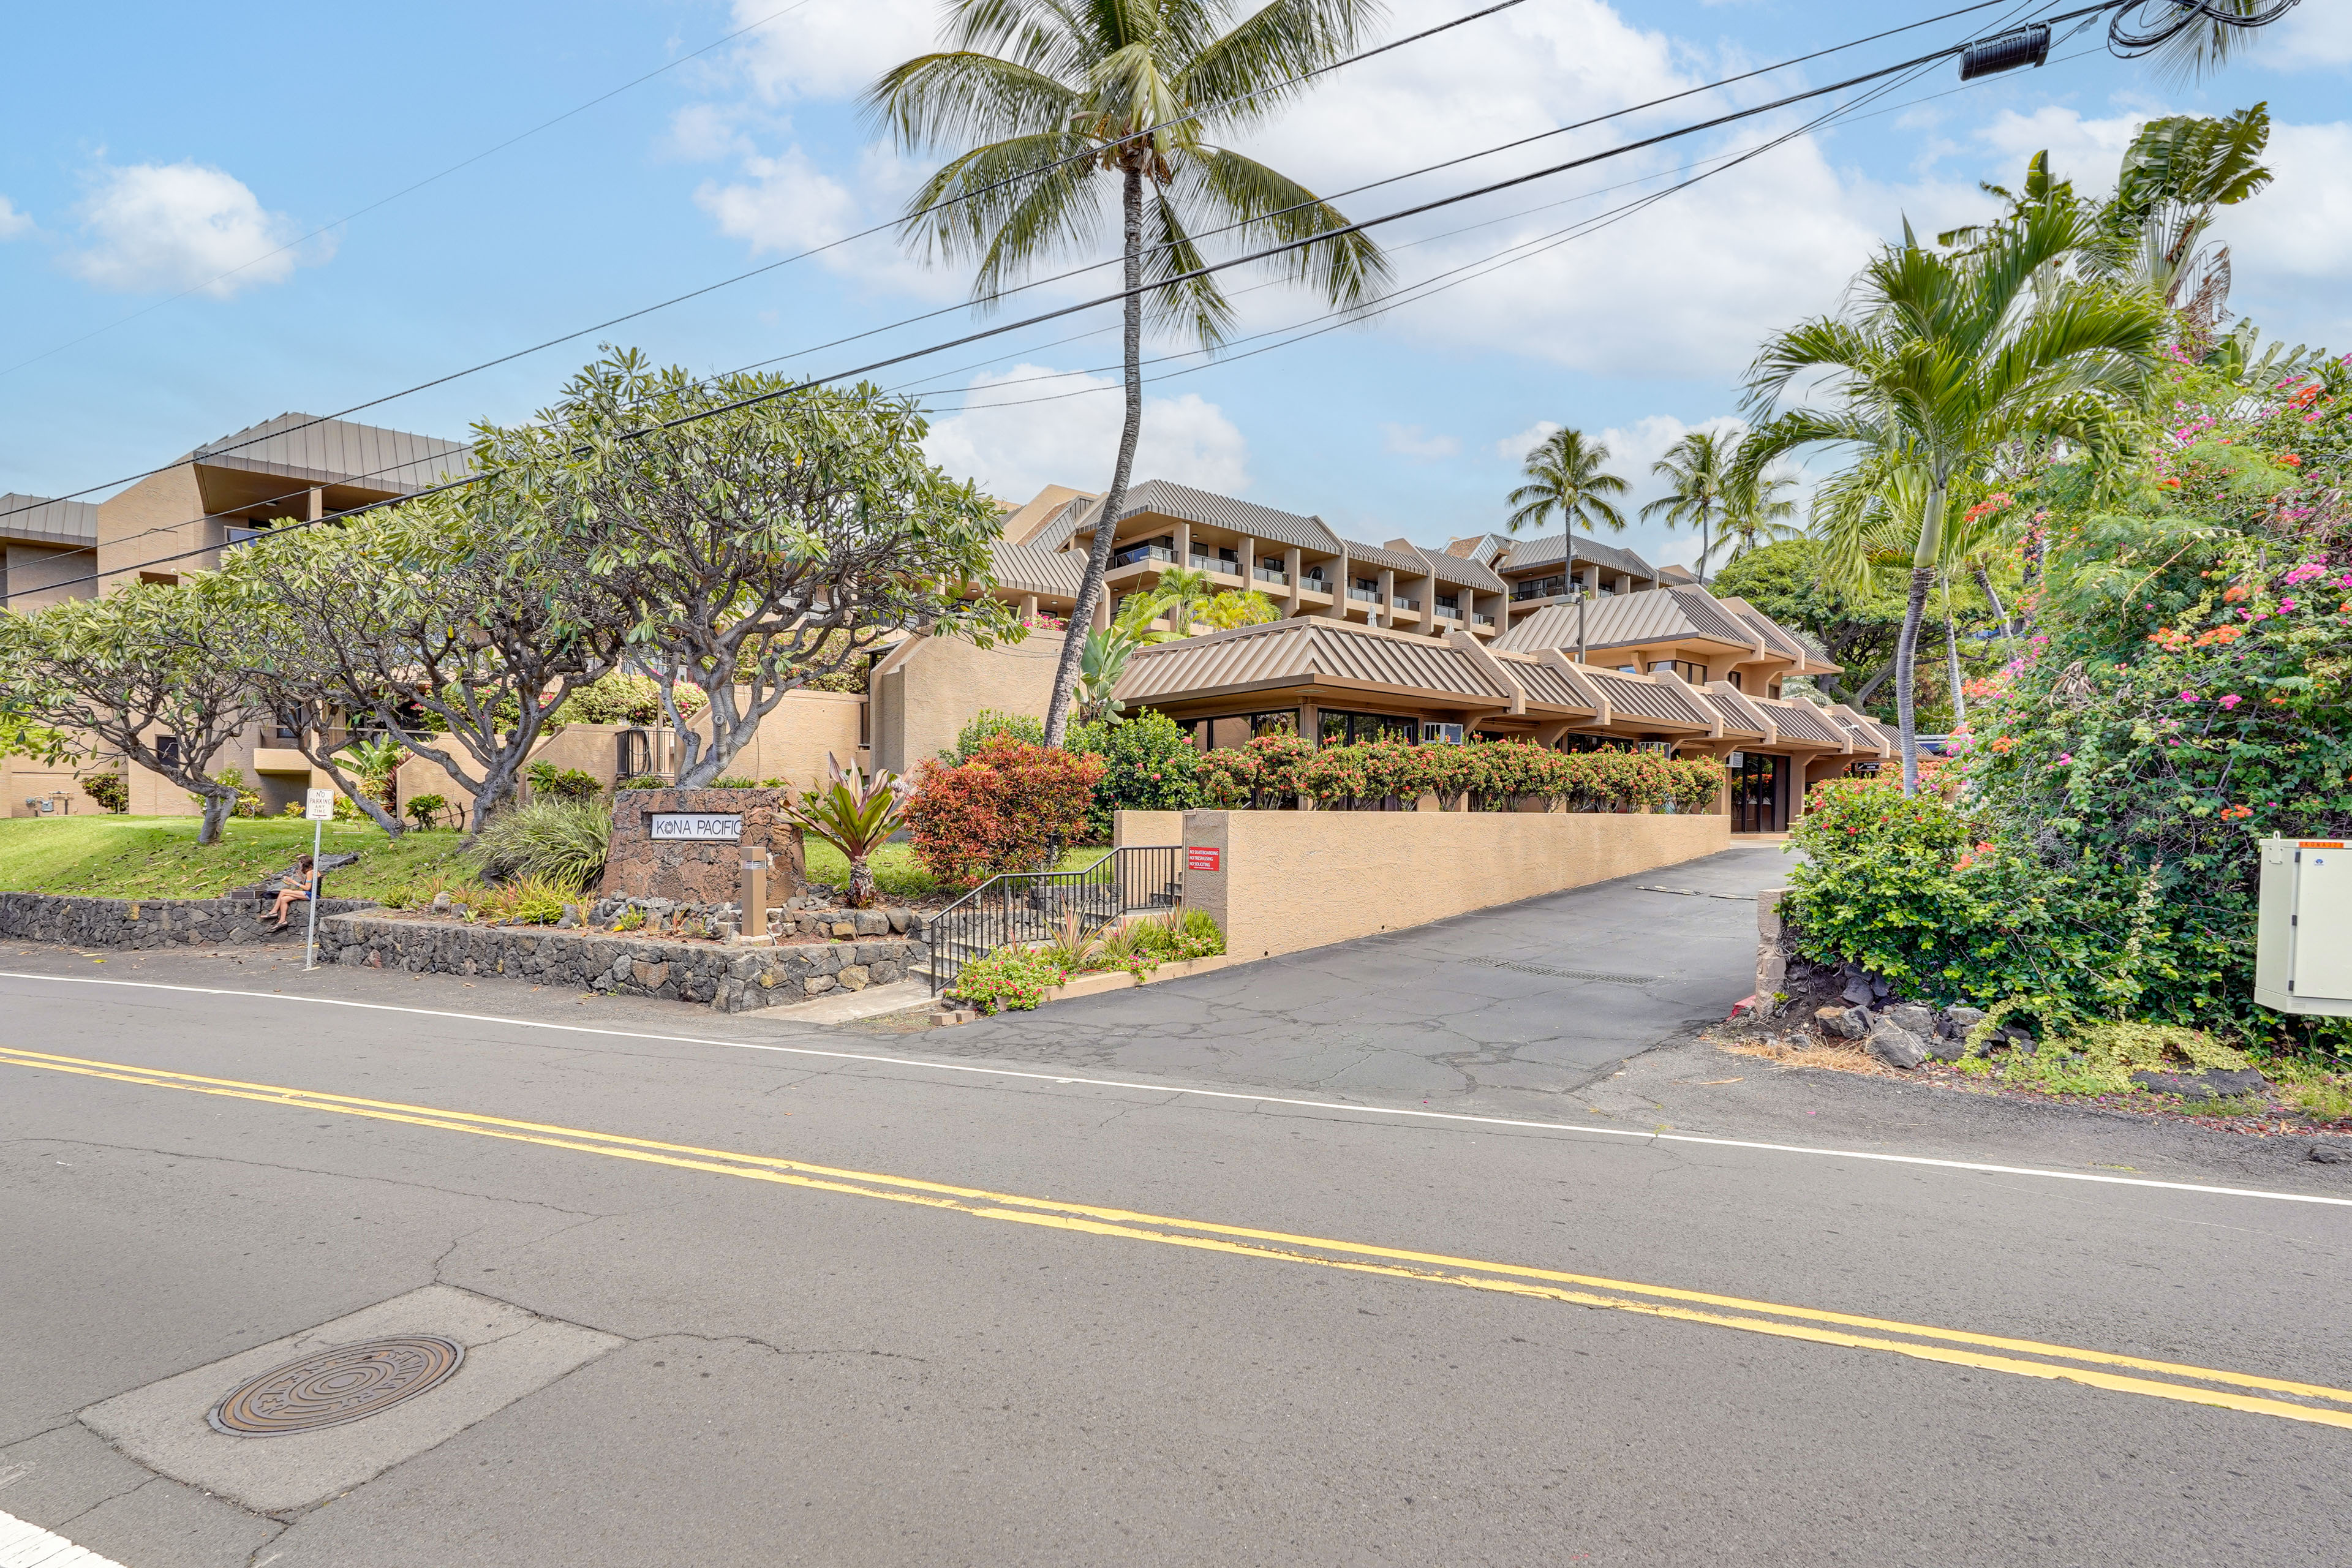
158	857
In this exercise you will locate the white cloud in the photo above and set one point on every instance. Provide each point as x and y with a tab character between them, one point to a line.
181	225
828	50
1015	450
12	222
704	132
2302	224
786	205
1515	448
2086	151
2312	38
1408	441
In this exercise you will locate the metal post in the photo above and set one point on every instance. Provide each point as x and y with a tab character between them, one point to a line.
1580	596
310	943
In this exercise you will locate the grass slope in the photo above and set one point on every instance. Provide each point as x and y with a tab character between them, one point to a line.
158	857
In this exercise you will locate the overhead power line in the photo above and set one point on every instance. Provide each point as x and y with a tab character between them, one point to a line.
900	222
408	190
1117	296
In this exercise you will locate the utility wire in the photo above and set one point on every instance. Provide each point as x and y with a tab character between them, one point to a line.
405	190
756	271
900	222
1267	253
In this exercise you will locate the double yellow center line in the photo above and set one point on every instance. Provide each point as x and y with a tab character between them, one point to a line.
2280	1397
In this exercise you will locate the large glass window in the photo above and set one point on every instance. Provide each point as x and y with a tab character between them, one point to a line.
1237	730
1362	728
1693	673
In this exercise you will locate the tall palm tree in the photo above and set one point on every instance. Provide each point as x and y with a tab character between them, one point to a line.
1182	594
1755	511
1695	469
1044	95
1940	360
1564	474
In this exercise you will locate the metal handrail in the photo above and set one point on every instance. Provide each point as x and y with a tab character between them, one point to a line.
1020	907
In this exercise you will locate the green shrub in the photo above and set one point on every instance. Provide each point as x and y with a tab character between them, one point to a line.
619	698
986	725
561	784
248	804
425	810
1011	979
535	901
641	781
1149	765
110	789
732	782
561	841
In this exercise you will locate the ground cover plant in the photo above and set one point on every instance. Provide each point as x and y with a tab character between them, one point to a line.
1015	979
115	857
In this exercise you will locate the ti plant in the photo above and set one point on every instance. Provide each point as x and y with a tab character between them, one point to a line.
855	813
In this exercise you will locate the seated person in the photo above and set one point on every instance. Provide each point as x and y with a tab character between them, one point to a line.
303	880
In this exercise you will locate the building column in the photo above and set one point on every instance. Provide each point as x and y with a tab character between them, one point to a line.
1185	544
1028	606
1388	596
1624	583
1292	567
1249	564
318	502
1102	610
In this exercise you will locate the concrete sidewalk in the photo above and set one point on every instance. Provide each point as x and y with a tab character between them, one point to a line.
1508	1005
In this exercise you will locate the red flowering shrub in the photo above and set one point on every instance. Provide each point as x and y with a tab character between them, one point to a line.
1014	807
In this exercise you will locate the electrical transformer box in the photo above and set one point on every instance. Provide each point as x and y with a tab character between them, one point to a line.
2303	955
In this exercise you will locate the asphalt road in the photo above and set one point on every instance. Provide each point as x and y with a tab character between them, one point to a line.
728	1302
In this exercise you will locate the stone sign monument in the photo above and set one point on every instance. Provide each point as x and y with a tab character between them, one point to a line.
689	845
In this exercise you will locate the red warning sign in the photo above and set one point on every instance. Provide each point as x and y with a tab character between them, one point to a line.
1199	857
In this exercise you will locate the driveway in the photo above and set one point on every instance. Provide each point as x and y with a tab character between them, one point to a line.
1484	1011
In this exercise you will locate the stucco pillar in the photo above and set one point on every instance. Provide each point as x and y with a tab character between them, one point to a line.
1102	610
1249	564
1028	606
1185	544
1591	578
1291	566
1339	587
318	502
1310	724
1623	583
1388	596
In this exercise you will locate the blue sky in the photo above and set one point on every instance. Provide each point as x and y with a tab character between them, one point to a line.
149	154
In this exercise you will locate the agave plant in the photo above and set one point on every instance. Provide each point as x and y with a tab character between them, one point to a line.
855	813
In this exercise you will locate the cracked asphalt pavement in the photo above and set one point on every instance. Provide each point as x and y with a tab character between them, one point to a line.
850	1296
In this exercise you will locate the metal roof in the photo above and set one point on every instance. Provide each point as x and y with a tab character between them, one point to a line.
1302	649
1030	570
1708	616
1164	499
1776	638
44	522
1545	549
338	452
1739	719
1456	571
1382	555
1800	721
1055	533
1633	694
1615	620
1543	683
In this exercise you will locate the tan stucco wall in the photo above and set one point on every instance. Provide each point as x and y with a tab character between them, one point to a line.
155	518
1146	827
929	694
41	574
1293	880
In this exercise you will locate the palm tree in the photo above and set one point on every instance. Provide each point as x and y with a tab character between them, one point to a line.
1942	359
1564	474
1753	510
1045	94
1182	594
1695	469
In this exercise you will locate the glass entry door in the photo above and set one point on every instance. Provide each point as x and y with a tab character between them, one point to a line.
1759	794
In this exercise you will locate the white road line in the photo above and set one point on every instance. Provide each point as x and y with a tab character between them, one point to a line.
1205	1093
25	1545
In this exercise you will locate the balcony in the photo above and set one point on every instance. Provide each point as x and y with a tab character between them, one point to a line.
1212	563
1478	620
1267	575
232	536
1539	588
1369	596
1138	553
1408	604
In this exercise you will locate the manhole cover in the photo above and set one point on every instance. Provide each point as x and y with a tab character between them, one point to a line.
335	1386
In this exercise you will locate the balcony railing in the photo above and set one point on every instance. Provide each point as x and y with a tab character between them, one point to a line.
1369	596
1135	553
1541	588
1478	620
1034	906
1268	574
1408	604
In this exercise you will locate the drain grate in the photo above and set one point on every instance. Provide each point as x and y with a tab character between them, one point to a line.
335	1386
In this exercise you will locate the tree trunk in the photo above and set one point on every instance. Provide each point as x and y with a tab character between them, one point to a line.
861	883
1952	668
497	788
1906	657
218	807
1999	610
1090	588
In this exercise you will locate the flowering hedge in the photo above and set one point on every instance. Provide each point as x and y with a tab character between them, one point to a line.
1149	765
1487	776
1014	807
2187	692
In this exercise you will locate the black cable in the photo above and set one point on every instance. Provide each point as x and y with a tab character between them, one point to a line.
770	266
1120	295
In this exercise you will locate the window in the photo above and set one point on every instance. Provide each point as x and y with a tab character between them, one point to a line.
1629	669
1693	673
1437	734
1362	728
289	726
167	750
1733	678
1233	730
1450	604
160	579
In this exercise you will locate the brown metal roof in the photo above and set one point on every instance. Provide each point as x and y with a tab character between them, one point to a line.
338	452
1634	694
1028	569
1159	498
1709	618
37	519
1379	555
1801	721
1527	553
1739	719
1612	620
1304	648
1456	572
1543	683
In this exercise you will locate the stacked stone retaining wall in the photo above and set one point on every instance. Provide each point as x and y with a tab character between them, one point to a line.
729	978
156	922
